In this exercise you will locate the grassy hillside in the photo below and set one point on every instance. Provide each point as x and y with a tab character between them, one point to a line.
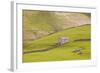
37	24
63	52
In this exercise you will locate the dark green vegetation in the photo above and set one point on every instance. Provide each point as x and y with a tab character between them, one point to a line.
63	52
88	14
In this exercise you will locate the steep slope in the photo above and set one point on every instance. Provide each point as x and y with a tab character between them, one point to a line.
37	24
63	52
80	32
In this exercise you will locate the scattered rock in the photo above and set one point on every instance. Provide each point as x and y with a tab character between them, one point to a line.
78	51
63	40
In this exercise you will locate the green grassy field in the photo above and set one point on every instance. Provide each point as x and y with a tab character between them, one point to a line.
37	24
63	52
